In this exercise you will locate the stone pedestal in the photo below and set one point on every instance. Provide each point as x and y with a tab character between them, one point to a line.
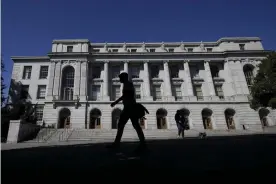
13	131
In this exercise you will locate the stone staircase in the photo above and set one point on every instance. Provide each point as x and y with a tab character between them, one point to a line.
98	135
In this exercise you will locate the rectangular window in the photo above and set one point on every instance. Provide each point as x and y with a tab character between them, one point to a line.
241	46
155	71
39	112
27	72
116	71
177	92
209	49
137	91
43	74
69	48
96	50
219	92
171	50
190	49
198	92
157	92
96	72
133	50
174	71
135	72
96	92
152	50
116	92
41	91
115	50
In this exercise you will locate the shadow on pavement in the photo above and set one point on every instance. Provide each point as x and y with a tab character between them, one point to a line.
229	156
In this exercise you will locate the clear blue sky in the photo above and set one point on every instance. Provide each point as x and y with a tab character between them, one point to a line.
29	26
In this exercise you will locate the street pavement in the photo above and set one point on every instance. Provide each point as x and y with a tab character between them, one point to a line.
212	157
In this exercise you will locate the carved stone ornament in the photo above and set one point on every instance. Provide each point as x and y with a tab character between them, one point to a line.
124	46
105	46
163	46
182	47
69	62
201	46
143	46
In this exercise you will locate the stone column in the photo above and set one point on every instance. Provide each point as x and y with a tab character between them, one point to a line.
188	80
77	79
209	80
83	86
106	82
51	81
126	66
167	80
125	70
146	82
229	80
57	80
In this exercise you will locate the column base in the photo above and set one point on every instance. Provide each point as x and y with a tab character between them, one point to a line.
83	98
49	98
189	98
169	98
148	98
106	98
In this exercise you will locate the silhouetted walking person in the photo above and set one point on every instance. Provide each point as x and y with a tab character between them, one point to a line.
131	111
179	123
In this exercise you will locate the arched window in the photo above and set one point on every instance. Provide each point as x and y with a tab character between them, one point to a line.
248	72
67	89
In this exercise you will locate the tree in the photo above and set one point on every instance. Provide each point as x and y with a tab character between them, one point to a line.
3	86
263	91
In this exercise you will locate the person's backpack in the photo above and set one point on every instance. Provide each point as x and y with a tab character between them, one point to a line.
140	110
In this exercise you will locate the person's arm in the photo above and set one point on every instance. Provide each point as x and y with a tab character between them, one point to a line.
118	100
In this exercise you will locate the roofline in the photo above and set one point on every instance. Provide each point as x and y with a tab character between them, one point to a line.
71	41
224	39
29	57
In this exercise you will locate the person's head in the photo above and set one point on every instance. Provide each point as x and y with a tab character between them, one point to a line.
123	77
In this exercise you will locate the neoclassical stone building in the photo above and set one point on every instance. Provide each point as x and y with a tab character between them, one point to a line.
208	81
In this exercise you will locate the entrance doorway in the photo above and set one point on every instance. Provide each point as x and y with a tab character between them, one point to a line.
263	113
161	117
115	118
95	119
206	118
229	117
64	118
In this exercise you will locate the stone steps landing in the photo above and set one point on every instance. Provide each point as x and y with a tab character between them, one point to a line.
99	135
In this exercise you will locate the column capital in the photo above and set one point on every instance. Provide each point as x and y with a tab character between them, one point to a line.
106	61
186	60
55	61
145	61
126	61
207	61
166	61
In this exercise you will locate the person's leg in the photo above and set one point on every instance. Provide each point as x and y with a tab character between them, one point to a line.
137	127
121	125
182	133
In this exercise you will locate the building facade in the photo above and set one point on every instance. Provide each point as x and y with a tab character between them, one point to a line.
208	81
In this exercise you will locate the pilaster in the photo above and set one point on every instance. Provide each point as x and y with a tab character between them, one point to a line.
146	82
84	74
209	80
51	81
57	79
106	82
77	78
188	80
168	86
